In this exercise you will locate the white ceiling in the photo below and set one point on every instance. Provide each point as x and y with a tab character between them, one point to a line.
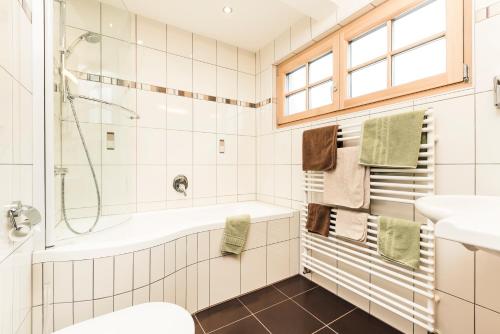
252	24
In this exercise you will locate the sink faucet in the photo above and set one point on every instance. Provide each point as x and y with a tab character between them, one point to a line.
181	184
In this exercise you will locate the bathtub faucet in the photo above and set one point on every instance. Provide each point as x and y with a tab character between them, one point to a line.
181	184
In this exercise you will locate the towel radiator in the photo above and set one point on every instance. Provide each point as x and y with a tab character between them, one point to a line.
412	296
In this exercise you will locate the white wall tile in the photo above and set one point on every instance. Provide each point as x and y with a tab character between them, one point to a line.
117	22
103	306
84	14
83	311
224	278
179	113
103	279
6	114
124	270
246	87
230	155
203	284
151	33
180	253
487	51
203	246
179	72
151	183
227	55
63	315
119	60
63	282
300	33
282	181
122	301
180	287
191	249
141	268
487	123
278	262
204	78
447	176
487	289
246	150
140	296
253	269
204	148
487	180
179	42
227	180
82	280
169	289
283	147
169	258
151	66
204	49
151	107
246	121
204	181
192	288
454	315
179	147
7	12
227	83
282	45
152	146
157	263
278	230
204	116
266	56
156	291
247	179
486	321
246	61
227	118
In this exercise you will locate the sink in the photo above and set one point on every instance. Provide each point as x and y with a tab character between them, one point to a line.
473	221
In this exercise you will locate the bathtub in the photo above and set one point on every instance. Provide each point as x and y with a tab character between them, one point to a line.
171	256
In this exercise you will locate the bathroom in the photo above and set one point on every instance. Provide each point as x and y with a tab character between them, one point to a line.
238	166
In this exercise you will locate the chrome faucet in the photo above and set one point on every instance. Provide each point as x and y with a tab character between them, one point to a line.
181	184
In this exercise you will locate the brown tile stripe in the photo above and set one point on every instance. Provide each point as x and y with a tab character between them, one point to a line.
166	90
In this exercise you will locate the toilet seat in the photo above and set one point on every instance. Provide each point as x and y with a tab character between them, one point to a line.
149	318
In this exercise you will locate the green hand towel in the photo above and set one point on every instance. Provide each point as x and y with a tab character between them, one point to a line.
235	234
392	141
399	241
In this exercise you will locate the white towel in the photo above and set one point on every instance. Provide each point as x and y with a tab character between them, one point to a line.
351	224
348	185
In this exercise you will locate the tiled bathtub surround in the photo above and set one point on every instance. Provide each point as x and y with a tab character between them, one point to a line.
16	160
467	162
176	134
188	271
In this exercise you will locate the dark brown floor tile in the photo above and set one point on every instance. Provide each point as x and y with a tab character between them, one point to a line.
197	328
288	318
325	330
295	285
248	325
359	322
262	298
222	314
323	304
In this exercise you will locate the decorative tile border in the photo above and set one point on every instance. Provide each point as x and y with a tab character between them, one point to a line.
488	12
166	90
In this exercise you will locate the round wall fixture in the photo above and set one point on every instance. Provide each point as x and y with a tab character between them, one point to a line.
227	10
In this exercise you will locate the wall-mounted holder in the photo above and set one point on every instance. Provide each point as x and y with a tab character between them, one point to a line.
496	88
21	219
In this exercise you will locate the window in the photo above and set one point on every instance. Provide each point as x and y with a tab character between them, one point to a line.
397	50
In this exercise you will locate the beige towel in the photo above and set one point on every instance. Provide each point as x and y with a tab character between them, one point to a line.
351	224
348	185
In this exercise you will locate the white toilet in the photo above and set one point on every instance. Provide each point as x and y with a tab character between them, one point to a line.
150	318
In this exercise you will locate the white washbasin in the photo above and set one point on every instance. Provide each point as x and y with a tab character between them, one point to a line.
473	221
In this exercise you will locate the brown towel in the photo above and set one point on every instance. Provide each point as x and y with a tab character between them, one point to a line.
318	219
319	148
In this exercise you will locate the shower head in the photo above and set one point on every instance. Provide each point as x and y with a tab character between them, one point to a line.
89	37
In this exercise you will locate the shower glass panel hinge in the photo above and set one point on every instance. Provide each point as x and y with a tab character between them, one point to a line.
466	73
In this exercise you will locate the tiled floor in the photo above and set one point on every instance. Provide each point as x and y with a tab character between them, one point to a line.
293	306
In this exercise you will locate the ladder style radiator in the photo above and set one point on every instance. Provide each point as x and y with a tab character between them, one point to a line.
323	255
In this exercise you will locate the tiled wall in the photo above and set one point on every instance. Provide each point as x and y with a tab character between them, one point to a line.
467	162
188	271
175	134
16	160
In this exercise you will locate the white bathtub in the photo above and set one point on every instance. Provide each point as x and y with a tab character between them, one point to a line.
146	230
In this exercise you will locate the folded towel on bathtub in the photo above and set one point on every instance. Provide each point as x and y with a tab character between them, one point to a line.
235	234
399	241
392	141
351	224
348	185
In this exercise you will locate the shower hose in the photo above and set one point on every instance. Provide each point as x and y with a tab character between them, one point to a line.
92	170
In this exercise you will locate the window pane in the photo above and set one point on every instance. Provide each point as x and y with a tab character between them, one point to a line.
296	103
369	79
421	62
321	68
369	46
296	79
420	23
320	95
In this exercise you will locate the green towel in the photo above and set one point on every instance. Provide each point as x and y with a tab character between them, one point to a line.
392	141
399	241
235	234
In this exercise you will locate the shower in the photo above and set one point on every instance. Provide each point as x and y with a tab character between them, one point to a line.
67	96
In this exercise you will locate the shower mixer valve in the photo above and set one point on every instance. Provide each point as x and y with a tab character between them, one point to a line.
181	184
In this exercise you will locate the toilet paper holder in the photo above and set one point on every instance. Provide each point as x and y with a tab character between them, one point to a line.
21	218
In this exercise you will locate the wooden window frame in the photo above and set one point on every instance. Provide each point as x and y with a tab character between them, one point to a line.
458	52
